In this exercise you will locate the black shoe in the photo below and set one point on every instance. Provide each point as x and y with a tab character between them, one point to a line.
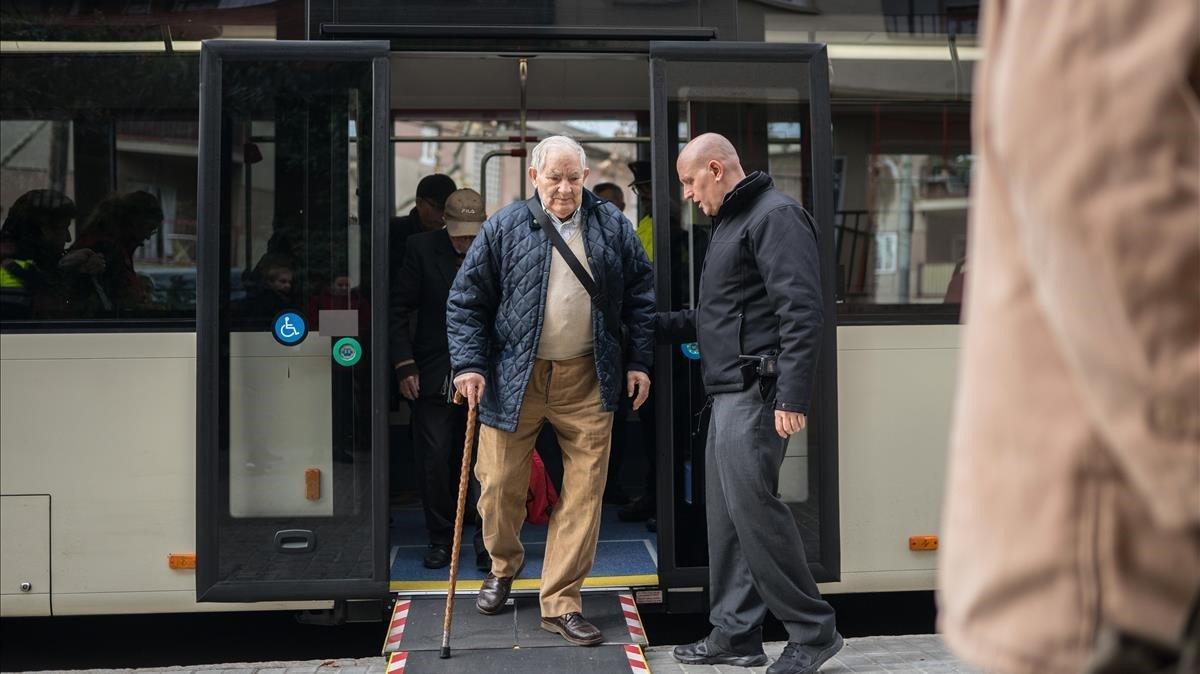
437	556
483	561
652	524
802	659
704	653
615	495
574	628
638	511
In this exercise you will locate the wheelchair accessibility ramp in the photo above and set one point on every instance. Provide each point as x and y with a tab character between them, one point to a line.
512	641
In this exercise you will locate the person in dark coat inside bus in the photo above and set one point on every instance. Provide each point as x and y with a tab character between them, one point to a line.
36	272
420	288
426	214
760	296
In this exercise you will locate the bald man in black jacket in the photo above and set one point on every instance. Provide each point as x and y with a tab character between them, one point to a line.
760	296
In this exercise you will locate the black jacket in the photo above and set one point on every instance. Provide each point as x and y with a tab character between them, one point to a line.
401	229
760	291
422	284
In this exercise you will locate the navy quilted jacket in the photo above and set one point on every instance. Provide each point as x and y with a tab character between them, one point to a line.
497	303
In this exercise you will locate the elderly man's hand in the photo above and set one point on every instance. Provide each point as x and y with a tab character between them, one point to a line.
637	385
787	423
470	386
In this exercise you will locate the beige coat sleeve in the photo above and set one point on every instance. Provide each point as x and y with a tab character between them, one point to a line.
1106	151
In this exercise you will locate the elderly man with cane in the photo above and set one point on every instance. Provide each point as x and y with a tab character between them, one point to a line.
758	324
537	321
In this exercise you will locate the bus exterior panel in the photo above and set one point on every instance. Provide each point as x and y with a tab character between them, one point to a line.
103	425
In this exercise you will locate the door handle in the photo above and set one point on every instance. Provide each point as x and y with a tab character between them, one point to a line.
295	541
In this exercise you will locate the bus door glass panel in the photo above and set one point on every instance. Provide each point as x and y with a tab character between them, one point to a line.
771	102
291	465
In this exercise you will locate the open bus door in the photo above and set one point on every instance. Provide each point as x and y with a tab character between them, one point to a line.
772	102
291	491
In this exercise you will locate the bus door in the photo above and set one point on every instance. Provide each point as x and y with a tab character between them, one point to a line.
294	168
772	102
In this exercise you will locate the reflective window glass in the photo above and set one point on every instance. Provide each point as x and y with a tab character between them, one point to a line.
296	281
901	76
764	110
97	189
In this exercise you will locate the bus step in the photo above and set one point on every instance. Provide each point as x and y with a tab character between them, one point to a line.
602	659
416	625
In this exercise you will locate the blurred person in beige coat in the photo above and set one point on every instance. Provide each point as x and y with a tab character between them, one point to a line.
1072	518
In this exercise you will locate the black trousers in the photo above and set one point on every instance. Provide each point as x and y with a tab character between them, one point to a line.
439	430
620	441
756	558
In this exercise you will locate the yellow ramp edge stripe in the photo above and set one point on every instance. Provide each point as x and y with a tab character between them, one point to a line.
523	583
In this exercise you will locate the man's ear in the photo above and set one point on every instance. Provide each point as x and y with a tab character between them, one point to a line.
532	174
716	169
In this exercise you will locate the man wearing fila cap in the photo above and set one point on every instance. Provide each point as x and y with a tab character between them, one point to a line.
422	359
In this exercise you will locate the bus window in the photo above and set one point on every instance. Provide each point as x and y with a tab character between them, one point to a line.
902	177
97	191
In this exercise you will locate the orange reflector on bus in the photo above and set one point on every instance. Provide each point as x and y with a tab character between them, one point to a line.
180	560
312	484
922	543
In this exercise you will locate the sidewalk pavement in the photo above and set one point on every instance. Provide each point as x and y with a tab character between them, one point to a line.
909	654
893	655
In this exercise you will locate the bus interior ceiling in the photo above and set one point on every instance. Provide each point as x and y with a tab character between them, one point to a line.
475	96
489	86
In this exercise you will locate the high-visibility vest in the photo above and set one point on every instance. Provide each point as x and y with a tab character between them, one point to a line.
645	233
11	281
16	299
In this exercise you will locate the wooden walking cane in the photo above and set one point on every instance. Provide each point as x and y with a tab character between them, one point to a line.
464	476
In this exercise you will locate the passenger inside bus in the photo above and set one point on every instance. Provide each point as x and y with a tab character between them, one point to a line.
641	508
35	271
421	357
276	291
611	192
118	226
425	216
340	293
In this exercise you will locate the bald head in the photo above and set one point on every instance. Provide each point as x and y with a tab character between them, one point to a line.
709	168
711	147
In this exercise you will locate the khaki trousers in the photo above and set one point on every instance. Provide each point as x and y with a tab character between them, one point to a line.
567	394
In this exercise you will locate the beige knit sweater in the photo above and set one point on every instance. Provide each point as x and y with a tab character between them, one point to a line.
567	327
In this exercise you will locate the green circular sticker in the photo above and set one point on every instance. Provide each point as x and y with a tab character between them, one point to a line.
347	351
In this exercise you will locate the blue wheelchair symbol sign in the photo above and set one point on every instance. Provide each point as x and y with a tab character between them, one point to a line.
289	328
691	350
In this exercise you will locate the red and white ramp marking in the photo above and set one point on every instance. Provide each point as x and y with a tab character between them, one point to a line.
633	620
396	627
396	662
637	661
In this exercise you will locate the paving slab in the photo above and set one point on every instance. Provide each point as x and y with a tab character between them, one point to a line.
921	654
891	655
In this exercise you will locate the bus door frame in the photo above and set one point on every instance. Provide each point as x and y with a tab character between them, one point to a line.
212	375
823	414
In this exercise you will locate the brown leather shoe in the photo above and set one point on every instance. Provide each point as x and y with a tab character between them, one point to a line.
574	628
494	592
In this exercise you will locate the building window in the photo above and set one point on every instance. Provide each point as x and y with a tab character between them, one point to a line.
429	148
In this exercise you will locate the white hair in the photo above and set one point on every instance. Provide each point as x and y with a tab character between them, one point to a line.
548	145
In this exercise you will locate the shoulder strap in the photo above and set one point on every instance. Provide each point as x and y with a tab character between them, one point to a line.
589	284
